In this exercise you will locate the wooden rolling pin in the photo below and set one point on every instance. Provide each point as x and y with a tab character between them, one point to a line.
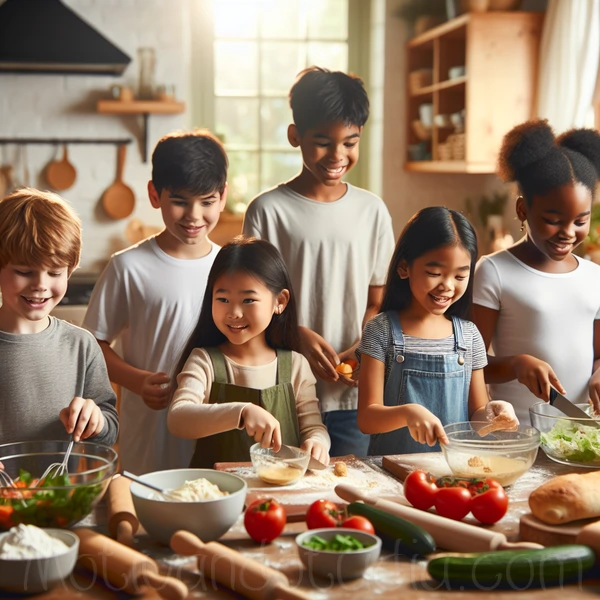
235	571
122	520
124	568
447	533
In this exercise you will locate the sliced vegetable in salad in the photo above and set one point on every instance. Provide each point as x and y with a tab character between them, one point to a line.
338	543
55	503
573	441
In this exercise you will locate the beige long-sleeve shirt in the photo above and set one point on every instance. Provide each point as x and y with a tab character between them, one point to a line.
192	416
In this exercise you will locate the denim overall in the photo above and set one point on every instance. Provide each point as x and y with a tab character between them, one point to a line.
439	382
278	400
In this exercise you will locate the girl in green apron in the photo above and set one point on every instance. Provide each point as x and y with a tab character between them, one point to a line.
421	360
240	379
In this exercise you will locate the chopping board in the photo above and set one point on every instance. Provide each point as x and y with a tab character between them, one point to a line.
315	485
534	530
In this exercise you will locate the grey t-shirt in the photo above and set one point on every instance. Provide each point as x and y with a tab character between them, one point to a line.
41	373
377	342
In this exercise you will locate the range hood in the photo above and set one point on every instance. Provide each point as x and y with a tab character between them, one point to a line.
45	36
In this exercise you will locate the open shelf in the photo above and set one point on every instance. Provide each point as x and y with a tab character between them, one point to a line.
141	107
448	166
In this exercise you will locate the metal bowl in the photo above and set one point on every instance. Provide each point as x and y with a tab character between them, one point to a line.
501	455
90	469
564	439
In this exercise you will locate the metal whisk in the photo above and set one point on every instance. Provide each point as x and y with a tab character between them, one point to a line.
6	480
58	469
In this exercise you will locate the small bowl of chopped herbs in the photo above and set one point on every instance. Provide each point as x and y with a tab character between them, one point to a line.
56	501
337	553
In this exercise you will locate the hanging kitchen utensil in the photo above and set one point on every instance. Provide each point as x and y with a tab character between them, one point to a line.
61	174
119	200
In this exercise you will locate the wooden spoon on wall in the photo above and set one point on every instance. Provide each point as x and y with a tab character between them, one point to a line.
61	174
119	200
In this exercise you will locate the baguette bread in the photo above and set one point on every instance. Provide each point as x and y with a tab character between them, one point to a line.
567	498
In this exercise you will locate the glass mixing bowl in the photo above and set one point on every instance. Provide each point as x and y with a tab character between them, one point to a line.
501	455
59	502
279	468
564	439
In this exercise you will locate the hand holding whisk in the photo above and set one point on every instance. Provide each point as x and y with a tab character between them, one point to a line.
58	469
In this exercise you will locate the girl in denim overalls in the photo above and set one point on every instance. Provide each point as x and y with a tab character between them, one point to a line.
421	360
240	380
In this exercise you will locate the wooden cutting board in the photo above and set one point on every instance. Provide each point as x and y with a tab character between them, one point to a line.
315	485
534	530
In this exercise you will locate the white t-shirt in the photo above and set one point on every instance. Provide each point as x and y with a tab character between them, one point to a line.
152	301
192	416
547	315
334	251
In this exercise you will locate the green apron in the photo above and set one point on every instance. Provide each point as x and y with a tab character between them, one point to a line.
278	400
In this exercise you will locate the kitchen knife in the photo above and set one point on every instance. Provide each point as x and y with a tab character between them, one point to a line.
291	452
571	410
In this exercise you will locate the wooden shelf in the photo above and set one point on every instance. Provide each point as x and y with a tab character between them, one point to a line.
444	85
140	107
448	166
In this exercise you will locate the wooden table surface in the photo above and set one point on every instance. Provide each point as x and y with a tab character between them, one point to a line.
390	577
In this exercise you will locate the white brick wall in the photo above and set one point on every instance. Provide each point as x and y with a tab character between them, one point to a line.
64	106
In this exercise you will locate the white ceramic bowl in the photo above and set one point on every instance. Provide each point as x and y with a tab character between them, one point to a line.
36	575
279	468
208	519
338	566
501	455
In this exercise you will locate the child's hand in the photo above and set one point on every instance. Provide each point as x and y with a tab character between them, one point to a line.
320	354
318	450
262	426
424	426
501	413
537	376
156	391
345	357
83	418
594	391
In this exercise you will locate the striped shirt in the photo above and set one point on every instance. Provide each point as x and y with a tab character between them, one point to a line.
376	342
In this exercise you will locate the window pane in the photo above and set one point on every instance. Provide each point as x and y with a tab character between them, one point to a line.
242	177
236	18
278	167
283	19
275	116
280	62
236	68
328	19
330	55
237	120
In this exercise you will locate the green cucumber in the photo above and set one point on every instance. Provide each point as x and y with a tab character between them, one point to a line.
516	569
405	537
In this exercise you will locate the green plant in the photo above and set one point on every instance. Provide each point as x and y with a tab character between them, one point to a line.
487	205
411	10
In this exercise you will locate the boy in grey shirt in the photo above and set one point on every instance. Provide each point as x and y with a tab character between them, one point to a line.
54	380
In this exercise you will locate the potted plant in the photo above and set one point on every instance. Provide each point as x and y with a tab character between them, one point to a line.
491	215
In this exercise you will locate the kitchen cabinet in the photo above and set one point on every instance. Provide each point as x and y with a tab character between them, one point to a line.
494	91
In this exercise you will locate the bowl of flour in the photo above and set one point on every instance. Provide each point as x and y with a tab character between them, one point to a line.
33	560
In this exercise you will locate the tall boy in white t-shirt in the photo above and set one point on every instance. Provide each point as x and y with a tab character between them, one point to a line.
150	296
336	239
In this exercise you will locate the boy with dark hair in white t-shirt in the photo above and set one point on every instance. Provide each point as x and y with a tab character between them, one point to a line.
336	239
150	296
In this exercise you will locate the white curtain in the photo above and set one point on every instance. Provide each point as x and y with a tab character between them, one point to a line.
569	57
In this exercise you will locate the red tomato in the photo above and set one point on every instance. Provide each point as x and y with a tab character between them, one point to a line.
360	523
323	513
479	486
264	520
489	507
453	502
420	489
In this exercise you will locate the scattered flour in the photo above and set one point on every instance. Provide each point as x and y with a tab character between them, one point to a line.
29	541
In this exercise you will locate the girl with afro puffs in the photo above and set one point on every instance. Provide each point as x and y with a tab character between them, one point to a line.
536	303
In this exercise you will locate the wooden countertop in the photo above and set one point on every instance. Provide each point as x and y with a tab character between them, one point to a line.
390	577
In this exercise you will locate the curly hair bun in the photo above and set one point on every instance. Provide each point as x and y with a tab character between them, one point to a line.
585	142
524	145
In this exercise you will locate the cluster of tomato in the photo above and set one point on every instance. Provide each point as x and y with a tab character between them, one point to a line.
265	519
456	497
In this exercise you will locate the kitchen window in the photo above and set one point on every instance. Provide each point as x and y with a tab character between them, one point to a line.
246	55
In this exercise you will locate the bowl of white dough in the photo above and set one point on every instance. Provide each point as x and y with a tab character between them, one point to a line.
203	501
34	560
